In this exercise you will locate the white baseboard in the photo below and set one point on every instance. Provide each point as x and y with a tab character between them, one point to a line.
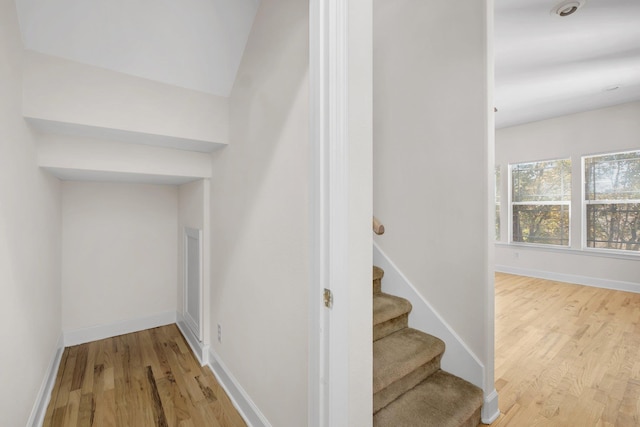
458	358
94	333
44	394
241	400
571	278
200	350
490	410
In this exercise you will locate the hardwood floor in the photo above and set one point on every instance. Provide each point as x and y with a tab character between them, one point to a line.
147	378
566	355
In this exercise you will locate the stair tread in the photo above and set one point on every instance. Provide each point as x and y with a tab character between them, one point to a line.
378	273
400	353
441	400
387	307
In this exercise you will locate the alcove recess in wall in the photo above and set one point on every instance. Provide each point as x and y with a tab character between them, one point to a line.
96	123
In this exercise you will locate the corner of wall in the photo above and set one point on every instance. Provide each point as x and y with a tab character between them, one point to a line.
200	349
239	397
98	332
36	418
490	410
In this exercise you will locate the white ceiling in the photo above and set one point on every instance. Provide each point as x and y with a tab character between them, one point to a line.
548	66
194	44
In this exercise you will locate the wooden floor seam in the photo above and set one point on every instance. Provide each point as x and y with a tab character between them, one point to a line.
146	378
566	355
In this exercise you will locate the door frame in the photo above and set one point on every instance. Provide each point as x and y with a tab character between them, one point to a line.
340	67
196	328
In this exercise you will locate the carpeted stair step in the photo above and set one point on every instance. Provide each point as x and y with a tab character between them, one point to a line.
442	400
401	361
390	314
378	273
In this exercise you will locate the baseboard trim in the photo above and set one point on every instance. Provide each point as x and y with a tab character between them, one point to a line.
571	278
200	350
458	357
490	410
94	333
36	418
240	398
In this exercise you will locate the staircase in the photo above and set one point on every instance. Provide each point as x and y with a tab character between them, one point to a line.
409	388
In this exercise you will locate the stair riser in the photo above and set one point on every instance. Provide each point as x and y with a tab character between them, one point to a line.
377	286
388	394
473	420
383	329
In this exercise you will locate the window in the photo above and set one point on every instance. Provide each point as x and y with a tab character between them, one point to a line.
540	202
612	201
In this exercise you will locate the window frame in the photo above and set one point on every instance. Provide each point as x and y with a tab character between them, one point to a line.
584	203
546	203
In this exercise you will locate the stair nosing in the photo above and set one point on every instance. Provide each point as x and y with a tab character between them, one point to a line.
464	412
400	355
404	307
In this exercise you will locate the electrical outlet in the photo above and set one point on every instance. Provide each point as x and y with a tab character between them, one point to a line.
219	333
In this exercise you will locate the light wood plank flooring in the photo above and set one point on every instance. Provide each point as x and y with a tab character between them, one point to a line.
148	378
566	355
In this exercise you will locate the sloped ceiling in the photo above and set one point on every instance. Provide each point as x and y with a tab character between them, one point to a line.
547	65
194	44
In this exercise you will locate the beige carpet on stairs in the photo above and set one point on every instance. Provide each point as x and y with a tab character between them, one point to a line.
410	389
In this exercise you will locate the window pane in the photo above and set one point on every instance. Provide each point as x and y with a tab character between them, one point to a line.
614	226
613	177
541	181
547	224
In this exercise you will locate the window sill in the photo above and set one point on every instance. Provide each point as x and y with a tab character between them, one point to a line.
571	251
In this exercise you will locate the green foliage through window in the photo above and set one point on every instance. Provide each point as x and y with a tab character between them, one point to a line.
612	199
540	202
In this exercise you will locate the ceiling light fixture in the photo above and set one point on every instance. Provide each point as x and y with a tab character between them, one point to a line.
567	8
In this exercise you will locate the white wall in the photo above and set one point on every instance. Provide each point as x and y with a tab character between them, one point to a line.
193	212
431	156
259	218
599	131
64	91
119	252
30	229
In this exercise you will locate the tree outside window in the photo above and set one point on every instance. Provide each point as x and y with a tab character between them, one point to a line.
612	201
540	202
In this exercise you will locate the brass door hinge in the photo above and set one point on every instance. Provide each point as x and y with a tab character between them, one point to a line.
328	298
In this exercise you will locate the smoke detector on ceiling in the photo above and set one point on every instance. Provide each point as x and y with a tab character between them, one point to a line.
567	8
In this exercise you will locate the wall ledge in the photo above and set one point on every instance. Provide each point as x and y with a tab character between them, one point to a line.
122	135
